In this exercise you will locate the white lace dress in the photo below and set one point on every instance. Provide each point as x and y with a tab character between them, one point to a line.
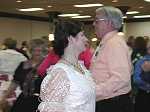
72	92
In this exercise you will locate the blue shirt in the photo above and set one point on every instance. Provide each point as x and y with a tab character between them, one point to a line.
137	74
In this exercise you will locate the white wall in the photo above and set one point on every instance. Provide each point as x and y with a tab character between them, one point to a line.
22	29
39	29
138	29
26	29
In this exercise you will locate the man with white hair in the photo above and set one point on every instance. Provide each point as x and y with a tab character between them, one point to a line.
111	64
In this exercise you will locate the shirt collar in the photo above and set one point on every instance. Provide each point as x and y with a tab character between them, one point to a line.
108	36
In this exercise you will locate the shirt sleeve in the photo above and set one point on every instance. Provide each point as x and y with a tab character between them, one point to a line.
57	87
54	89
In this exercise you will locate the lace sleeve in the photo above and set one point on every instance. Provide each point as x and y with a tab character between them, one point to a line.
55	87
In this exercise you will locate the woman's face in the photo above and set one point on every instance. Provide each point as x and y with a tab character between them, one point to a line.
37	51
80	41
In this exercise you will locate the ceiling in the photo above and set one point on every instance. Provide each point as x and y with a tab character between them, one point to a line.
66	6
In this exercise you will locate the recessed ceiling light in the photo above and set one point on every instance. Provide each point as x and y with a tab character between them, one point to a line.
49	6
141	7
114	1
77	17
132	12
31	9
147	0
94	39
68	15
18	1
142	16
51	37
88	5
124	17
80	11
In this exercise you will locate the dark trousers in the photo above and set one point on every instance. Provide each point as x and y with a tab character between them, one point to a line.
25	104
122	103
142	101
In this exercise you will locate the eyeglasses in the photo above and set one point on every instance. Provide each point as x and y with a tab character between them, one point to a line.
99	19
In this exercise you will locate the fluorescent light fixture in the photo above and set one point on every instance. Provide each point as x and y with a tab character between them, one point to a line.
68	15
132	12
88	5
51	37
142	16
147	0
76	17
114	1
49	6
141	7
124	17
94	39
18	1
31	9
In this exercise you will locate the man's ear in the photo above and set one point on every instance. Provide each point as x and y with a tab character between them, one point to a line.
110	24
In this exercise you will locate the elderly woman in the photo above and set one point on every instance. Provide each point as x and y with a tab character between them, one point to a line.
25	76
9	61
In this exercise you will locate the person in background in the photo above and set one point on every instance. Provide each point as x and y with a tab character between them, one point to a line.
52	58
139	49
68	85
24	49
141	80
130	43
111	64
86	55
2	47
9	61
24	46
138	52
27	79
10	58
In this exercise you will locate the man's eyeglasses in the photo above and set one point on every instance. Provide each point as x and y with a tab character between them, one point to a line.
99	19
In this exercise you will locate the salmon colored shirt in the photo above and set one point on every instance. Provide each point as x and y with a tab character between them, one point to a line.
111	68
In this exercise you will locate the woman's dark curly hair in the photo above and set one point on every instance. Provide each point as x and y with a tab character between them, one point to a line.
63	30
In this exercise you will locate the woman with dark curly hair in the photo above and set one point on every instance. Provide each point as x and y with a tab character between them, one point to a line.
68	86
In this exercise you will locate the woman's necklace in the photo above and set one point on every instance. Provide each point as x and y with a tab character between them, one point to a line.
76	66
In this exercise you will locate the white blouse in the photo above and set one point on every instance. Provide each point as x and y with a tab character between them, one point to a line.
70	91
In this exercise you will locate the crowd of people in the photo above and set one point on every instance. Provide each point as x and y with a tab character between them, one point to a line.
71	76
